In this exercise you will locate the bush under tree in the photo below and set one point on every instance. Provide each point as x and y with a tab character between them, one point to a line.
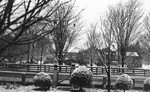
146	86
124	82
42	80
81	77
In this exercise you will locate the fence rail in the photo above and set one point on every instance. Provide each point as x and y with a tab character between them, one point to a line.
99	70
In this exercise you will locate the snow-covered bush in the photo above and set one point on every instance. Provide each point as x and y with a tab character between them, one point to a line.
146	85
42	80
124	82
81	77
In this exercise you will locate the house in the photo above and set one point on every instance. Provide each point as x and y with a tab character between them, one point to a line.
134	57
91	55
70	55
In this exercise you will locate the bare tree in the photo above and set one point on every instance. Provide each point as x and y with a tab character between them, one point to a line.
17	16
67	30
145	37
126	26
120	27
101	40
91	40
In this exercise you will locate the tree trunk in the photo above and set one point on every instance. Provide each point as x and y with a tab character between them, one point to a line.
123	54
91	65
81	88
109	81
123	59
28	55
108	73
60	63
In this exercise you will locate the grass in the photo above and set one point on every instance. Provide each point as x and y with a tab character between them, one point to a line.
13	87
29	88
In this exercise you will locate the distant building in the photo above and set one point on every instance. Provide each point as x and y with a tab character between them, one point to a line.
71	55
134	57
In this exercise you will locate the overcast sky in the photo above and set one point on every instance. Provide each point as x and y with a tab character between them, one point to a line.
93	9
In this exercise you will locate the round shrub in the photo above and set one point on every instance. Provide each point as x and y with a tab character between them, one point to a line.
81	77
124	82
146	85
42	80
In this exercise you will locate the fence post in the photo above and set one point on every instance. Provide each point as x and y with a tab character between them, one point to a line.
44	68
23	78
133	82
55	76
119	70
28	67
72	68
49	69
104	81
66	69
133	72
114	71
144	72
96	70
102	70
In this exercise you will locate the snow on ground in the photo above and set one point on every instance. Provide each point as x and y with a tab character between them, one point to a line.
145	66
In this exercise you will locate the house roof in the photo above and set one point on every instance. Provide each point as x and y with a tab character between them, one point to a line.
132	54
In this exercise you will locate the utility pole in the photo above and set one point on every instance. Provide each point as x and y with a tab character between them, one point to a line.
108	73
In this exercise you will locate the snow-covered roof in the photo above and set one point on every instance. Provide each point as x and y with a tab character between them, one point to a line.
132	54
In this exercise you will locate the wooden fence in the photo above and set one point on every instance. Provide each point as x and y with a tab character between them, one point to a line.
58	77
99	70
61	78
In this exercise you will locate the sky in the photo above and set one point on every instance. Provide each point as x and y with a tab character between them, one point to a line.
93	9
